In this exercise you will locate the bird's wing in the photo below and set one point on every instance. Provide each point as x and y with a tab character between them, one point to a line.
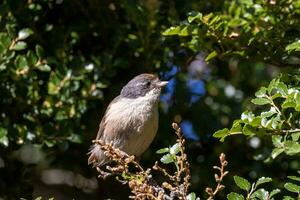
103	120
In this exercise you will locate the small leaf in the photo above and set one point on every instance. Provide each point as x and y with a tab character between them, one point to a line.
19	46
295	178
276	152
24	33
211	56
44	68
295	136
235	196
276	140
261	194
163	150
221	134
191	196
39	51
292	187
274	192
242	183
288	104
194	16
260	101
261	92
172	31
263	180
175	149
166	159
295	46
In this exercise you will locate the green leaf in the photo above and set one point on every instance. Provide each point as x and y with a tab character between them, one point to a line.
32	58
235	196
191	196
261	92
276	140
276	152
261	194
19	46
172	31
260	101
292	187
44	68
221	134
3	137
295	178
263	180
295	46
288	198
242	183
175	149
166	159
24	33
288	104
249	130
274	192
163	150
39	51
295	136
211	55
194	16
291	147
268	113
21	62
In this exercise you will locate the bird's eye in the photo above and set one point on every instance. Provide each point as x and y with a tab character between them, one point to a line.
148	83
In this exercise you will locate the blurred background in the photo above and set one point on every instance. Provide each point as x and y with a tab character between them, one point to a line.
72	59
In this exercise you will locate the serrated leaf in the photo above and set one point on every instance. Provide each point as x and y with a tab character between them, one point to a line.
235	196
166	159
211	55
260	101
274	192
263	180
191	196
24	33
175	149
19	46
242	183
221	134
292	187
163	150
295	178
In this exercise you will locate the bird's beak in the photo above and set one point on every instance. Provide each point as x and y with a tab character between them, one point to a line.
162	83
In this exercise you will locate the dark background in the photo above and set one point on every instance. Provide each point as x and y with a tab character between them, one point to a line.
93	48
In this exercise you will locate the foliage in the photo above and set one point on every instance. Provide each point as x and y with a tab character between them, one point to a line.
279	117
256	30
62	62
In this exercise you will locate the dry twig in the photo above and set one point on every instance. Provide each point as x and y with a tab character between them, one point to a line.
212	193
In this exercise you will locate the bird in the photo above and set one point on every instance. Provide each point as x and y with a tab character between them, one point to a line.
130	122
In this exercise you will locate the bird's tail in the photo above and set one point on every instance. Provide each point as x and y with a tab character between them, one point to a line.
97	157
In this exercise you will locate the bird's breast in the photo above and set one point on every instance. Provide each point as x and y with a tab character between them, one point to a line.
139	121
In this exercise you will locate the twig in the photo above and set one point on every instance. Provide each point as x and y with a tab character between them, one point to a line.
212	193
